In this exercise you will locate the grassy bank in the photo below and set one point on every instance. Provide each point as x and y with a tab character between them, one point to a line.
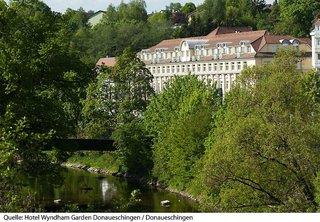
101	160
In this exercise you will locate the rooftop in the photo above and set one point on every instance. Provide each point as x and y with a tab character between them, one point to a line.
109	62
230	35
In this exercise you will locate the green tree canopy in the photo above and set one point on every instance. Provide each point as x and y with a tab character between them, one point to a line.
296	16
180	118
263	154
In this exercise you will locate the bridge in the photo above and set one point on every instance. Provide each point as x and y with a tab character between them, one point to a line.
73	145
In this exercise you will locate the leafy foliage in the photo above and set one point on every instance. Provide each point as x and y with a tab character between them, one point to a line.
263	154
40	88
114	106
180	118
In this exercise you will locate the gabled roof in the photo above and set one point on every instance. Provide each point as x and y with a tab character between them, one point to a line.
235	38
97	12
227	30
258	39
276	39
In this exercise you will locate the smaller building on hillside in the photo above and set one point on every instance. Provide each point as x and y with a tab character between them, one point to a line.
107	62
96	18
315	38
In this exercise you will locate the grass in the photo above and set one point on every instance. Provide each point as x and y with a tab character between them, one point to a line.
102	160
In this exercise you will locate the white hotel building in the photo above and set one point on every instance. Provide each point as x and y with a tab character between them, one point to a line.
315	38
218	57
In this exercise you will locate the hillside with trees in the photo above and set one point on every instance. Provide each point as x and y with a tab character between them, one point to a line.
129	24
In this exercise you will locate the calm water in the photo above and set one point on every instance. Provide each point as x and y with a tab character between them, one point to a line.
83	191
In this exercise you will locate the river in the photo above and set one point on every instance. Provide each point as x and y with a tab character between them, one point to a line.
82	191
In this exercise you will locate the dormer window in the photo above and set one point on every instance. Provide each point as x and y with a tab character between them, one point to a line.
177	48
295	42
244	43
285	42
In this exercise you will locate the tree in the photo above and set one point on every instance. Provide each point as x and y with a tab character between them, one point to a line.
188	8
258	6
134	10
114	106
215	10
296	16
40	81
159	28
239	13
174	7
269	20
179	119
263	153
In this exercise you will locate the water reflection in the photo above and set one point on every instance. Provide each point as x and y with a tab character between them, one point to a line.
108	190
105	194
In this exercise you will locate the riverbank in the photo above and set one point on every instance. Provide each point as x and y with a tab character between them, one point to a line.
109	171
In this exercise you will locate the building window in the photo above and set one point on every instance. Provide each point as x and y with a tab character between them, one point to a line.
249	49
172	69
193	68
204	67
189	68
168	69
209	67
318	56
227	66
163	69
158	69
221	66
199	68
232	66
215	67
245	64
178	69
183	68
238	65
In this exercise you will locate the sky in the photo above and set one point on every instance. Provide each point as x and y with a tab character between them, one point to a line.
95	5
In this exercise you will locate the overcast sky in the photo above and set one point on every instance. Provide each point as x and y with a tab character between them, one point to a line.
152	5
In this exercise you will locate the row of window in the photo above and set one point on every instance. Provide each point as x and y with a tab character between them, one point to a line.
223	82
198	68
197	52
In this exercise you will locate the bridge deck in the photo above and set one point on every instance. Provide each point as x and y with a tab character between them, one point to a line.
81	145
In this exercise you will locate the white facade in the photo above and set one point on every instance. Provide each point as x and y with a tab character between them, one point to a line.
222	72
315	38
216	59
96	18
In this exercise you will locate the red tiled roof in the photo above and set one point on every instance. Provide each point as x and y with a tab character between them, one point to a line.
235	38
170	44
110	62
222	34
228	30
